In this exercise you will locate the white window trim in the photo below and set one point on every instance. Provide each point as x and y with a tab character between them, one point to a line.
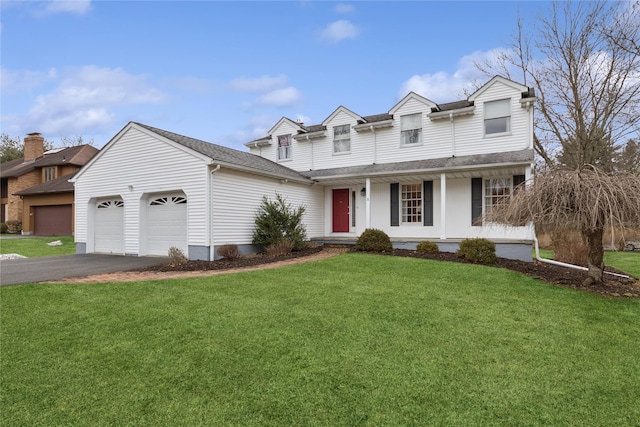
419	222
509	122
285	148
341	153
415	144
484	190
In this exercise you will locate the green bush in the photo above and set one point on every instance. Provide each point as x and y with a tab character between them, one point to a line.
3	228
427	247
478	250
277	220
373	240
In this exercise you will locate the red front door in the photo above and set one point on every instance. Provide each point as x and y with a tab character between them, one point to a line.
341	210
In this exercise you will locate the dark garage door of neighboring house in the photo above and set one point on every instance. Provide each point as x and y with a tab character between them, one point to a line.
52	220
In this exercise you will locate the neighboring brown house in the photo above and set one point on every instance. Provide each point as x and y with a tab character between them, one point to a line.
36	189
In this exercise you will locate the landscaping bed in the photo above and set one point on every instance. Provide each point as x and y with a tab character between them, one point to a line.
557	275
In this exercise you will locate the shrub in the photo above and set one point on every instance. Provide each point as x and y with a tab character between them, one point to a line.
427	247
283	247
373	240
229	252
569	246
176	256
478	250
14	226
3	228
277	220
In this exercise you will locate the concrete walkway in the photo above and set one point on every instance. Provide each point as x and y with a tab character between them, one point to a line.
31	270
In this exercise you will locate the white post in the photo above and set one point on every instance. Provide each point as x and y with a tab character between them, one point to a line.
443	206
367	209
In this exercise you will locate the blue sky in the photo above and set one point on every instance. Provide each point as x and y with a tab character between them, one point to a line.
225	72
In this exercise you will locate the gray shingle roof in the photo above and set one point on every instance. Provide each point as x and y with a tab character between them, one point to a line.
230	156
446	163
58	185
78	155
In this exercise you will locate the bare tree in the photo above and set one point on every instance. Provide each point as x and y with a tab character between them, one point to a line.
587	200
67	141
584	62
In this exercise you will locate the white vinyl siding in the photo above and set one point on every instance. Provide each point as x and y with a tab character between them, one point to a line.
236	198
121	171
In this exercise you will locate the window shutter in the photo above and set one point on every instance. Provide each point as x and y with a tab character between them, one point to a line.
517	180
428	202
395	204
476	201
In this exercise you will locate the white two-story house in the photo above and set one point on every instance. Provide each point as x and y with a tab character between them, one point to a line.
421	171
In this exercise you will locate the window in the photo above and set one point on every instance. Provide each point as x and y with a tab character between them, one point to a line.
411	129
411	202
496	191
341	139
497	117
49	173
284	147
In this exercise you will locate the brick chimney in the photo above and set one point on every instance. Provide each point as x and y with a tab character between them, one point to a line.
33	146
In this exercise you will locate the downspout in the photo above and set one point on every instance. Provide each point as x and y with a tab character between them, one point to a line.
212	252
256	146
453	135
375	144
564	264
310	143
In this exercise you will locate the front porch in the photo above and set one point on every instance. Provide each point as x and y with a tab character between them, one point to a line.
510	249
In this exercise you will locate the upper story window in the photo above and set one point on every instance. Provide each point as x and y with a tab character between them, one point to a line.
496	191
284	147
342	139
497	117
49	173
411	129
411	202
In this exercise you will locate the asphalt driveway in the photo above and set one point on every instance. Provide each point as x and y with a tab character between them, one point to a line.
31	270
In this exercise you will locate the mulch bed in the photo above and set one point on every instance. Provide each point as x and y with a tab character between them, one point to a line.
557	275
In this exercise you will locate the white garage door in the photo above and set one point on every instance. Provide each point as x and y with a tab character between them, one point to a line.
109	230
166	224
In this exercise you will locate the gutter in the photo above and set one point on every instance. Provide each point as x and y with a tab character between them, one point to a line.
564	264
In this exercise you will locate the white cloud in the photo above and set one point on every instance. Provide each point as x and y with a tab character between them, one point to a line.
281	97
13	81
444	87
76	7
344	8
258	84
87	98
338	31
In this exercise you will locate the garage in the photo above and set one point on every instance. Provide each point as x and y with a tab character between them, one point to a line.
52	220
109	229
166	224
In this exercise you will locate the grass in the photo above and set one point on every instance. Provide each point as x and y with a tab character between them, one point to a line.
357	339
33	247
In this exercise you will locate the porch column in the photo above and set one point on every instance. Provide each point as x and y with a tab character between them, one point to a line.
367	202
443	206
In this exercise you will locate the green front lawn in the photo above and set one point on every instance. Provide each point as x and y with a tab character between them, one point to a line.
357	339
33	247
